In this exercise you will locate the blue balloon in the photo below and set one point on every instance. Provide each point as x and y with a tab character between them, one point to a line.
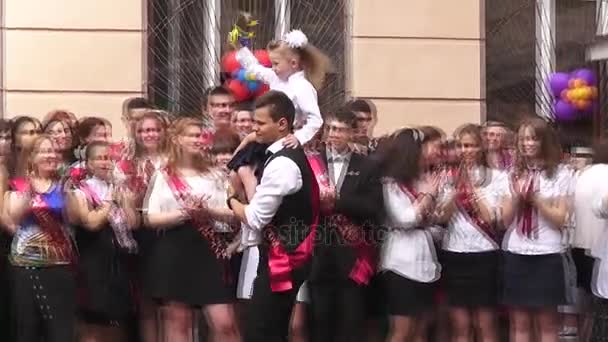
253	85
241	75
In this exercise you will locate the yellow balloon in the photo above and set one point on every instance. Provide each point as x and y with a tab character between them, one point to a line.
580	93
250	76
586	91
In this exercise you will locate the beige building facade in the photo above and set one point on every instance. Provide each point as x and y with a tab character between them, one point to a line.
421	62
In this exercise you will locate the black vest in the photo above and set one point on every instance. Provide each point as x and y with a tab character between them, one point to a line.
295	214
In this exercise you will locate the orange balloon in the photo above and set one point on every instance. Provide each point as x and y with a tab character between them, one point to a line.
571	84
582	104
593	93
564	95
578	83
571	95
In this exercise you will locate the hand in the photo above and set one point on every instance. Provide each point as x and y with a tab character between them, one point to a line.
291	141
196	206
520	189
430	184
232	248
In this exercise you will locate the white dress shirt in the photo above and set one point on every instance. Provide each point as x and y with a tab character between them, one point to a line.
337	161
549	239
281	177
296	87
406	251
599	249
588	227
462	235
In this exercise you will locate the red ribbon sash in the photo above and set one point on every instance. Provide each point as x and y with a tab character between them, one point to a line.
464	200
59	242
281	263
354	235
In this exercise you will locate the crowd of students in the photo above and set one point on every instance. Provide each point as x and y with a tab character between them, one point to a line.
276	223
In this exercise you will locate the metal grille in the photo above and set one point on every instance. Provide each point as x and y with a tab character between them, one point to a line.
511	48
186	39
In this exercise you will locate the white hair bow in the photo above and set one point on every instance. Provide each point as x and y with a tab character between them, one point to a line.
295	39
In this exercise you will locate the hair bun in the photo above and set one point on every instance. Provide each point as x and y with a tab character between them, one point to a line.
295	39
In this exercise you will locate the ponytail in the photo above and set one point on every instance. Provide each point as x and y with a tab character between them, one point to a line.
315	63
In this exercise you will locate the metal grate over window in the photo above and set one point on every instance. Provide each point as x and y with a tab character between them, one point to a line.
186	39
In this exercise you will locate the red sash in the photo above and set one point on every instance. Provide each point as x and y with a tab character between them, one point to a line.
217	243
281	263
464	201
353	235
58	240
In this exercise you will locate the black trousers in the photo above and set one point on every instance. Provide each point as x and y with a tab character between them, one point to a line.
44	304
269	313
338	311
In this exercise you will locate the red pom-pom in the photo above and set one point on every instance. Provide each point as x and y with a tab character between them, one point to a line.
263	57
239	90
229	62
261	90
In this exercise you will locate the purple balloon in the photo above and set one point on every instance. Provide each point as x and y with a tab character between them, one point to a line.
558	82
564	111
585	75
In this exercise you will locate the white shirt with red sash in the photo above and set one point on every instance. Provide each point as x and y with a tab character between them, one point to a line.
408	249
463	235
545	238
160	198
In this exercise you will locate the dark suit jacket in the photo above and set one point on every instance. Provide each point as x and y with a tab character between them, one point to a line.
361	201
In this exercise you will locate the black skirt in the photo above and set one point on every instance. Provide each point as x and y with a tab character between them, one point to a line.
181	267
251	155
406	297
471	279
534	281
104	278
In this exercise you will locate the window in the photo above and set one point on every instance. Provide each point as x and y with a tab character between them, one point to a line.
512	62
186	39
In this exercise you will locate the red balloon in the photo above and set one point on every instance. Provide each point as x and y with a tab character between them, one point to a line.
229	62
261	90
263	57
239	90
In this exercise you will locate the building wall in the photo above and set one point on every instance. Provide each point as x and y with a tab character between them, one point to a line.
85	56
421	62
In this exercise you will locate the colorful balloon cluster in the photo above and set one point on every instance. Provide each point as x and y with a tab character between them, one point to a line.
244	85
575	94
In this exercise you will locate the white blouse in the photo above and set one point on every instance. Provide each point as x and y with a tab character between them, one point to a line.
296	87
212	184
549	239
462	235
406	250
